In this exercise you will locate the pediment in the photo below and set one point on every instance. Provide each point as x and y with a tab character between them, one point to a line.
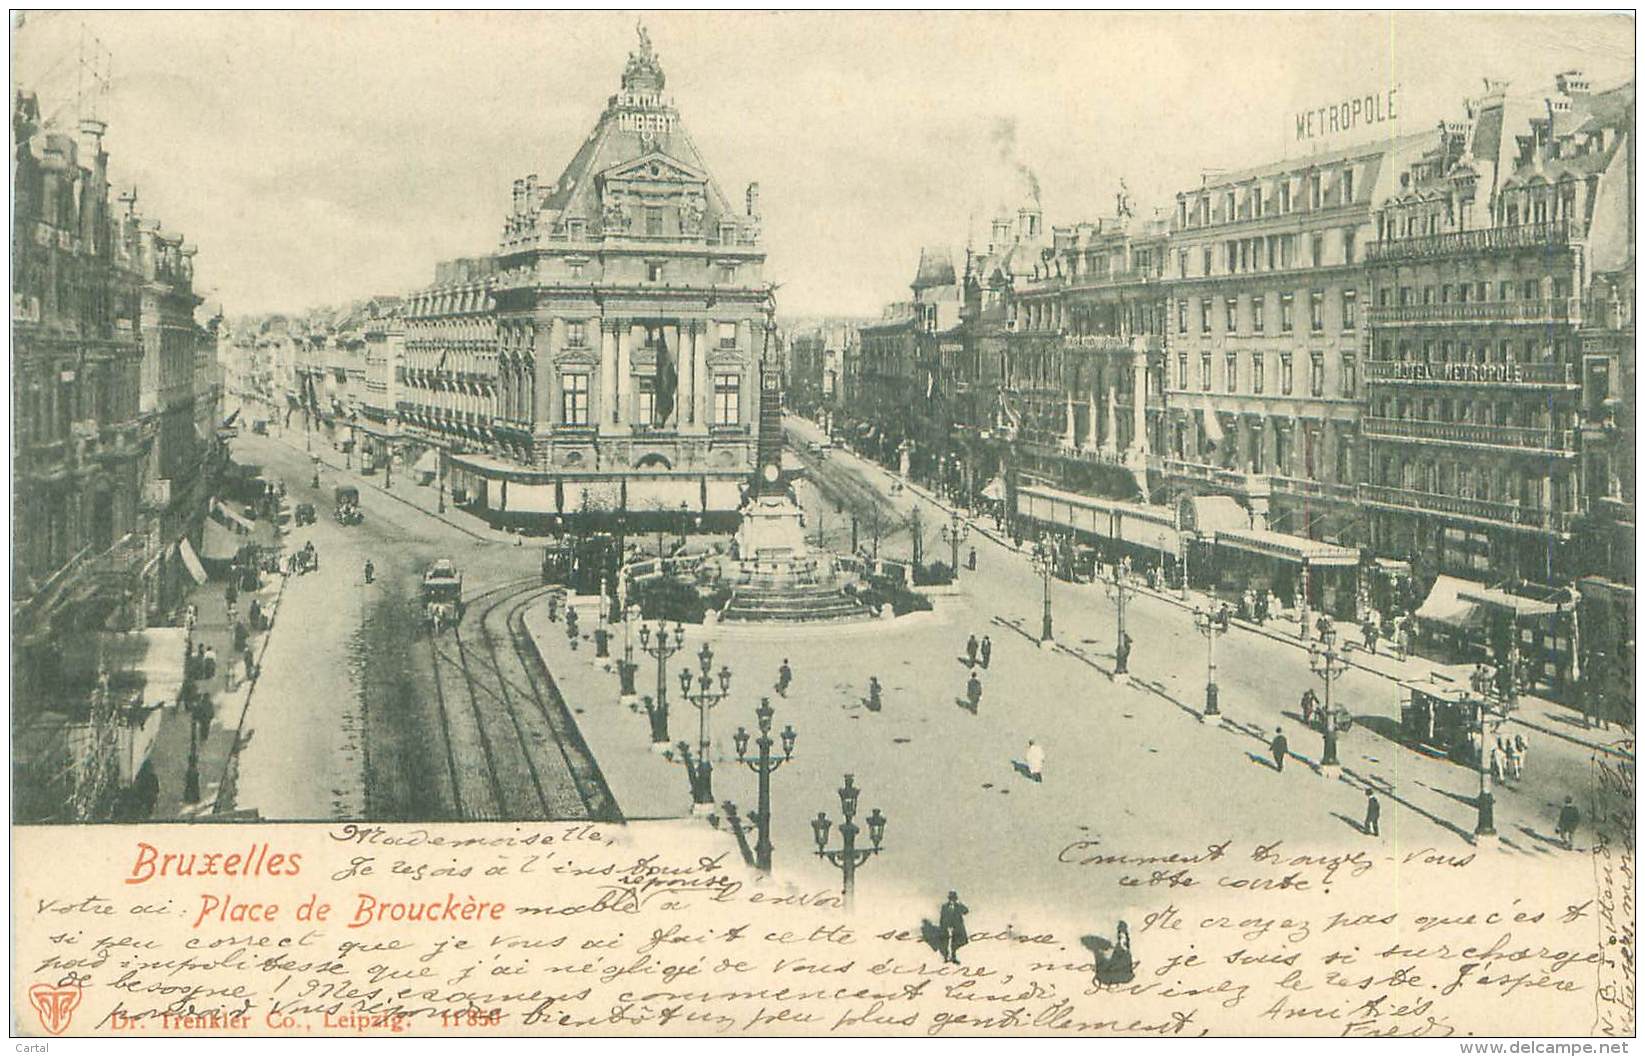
654	167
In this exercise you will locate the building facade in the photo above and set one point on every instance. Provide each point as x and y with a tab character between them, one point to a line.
630	315
1475	419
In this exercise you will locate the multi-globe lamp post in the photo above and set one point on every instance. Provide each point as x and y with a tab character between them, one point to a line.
1120	587
709	690
1328	664
1213	626
957	531
661	644
1045	562
848	856
764	765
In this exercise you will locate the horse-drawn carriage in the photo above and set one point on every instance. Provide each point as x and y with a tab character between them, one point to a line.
442	595
347	499
1442	716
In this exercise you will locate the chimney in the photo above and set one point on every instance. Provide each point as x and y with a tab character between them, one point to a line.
753	199
1571	83
519	196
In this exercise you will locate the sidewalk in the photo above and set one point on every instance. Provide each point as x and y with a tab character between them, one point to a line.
424	499
171	748
1536	713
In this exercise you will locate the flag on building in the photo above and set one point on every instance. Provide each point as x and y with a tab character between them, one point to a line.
668	382
1213	426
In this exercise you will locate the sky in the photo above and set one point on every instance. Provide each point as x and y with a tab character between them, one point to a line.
315	158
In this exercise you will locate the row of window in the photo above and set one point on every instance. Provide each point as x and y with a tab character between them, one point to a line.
1347	373
577	331
1253	319
1251	203
1531	350
725	410
1267	253
1547	287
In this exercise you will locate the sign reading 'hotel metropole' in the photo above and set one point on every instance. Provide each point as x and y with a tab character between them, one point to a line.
1348	115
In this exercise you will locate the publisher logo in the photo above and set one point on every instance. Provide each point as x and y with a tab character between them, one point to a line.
55	1005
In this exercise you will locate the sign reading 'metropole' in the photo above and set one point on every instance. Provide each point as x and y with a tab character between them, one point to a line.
1348	115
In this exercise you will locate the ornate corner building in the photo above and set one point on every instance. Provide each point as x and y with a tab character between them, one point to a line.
604	359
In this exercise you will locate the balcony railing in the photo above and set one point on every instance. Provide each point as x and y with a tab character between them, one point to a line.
1200	471
1424	373
1556	310
1303	486
1481	241
1099	455
1471	433
1463	506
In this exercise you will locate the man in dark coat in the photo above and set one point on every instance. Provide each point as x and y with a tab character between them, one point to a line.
1279	747
987	650
971	652
973	691
951	921
1569	819
1373	813
785	676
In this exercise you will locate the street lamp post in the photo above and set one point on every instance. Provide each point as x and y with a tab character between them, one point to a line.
1045	560
1120	588
661	645
626	670
1484	684
704	697
1212	626
764	765
848	856
957	531
1329	665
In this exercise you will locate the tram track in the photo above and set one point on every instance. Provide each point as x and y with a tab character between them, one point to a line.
532	760
474	796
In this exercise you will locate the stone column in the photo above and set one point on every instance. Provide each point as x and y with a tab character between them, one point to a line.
1068	422
700	390
676	349
546	414
1091	423
1111	441
1139	405
625	381
605	411
688	374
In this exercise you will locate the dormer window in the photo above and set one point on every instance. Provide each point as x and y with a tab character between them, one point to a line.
654	271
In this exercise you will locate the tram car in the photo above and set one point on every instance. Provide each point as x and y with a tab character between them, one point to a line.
347	500
558	559
442	595
1441	717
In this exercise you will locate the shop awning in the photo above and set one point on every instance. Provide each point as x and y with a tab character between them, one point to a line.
654	494
191	561
994	490
1497	598
155	655
1444	606
233	518
218	543
1286	547
1207	514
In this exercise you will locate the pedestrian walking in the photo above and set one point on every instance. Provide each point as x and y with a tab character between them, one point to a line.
1373	813
1522	748
240	636
250	663
971	559
1510	751
1496	764
1369	631
190	615
951	922
1280	748
1034	758
971	652
1307	705
1569	819
785	676
987	650
208	666
1122	655
1262	607
973	691
873	693
231	594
